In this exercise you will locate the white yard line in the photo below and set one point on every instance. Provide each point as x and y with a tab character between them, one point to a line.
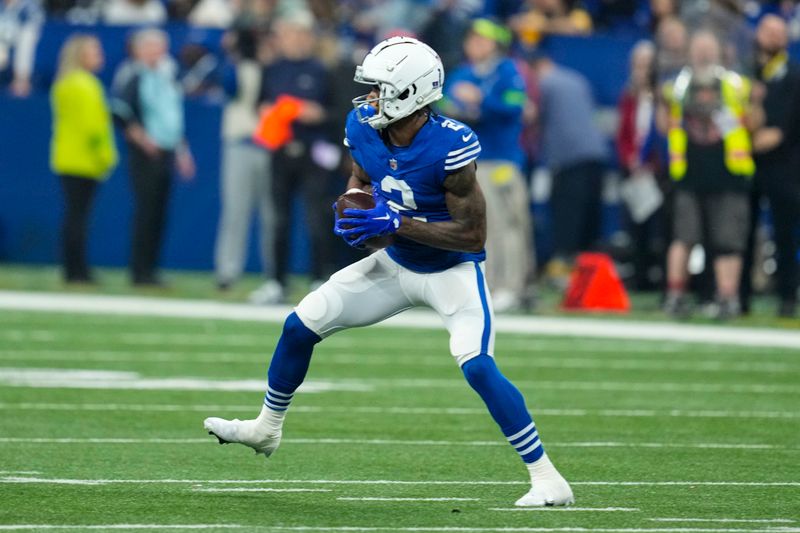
560	326
510	529
60	378
373	359
370	346
388	482
257	489
396	442
157	527
506	344
13	480
380	499
689	483
415	411
99	440
578	509
728	520
72	378
598	386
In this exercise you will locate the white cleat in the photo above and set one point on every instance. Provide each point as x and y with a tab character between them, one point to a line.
548	487
248	432
548	493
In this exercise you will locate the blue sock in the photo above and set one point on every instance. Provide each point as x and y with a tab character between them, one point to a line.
506	405
289	364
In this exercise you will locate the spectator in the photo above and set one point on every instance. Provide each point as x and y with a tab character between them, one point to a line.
446	28
253	20
574	150
20	27
790	12
344	88
661	10
213	14
488	93
81	12
708	113
726	19
149	106
671	41
134	12
638	159
777	149
614	14
246	177
550	17
531	135
384	18
82	151
200	71
636	109
305	163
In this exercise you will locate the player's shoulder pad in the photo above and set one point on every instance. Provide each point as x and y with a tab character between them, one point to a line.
459	143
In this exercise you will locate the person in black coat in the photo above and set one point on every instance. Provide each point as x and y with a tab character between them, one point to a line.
777	149
304	164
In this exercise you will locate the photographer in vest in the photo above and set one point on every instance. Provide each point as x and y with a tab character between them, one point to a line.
708	115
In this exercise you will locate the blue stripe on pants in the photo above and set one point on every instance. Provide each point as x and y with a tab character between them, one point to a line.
487	318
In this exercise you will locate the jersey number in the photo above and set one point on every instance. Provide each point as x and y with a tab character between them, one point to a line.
447	123
390	183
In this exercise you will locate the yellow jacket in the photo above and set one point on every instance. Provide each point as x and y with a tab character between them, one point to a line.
83	137
735	98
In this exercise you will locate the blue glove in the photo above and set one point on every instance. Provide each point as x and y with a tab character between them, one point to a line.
337	231
363	224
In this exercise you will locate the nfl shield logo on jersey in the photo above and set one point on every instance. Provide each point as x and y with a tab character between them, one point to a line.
393	163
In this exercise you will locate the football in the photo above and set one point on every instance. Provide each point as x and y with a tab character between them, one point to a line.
359	199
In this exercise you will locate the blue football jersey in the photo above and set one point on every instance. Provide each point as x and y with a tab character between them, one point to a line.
411	178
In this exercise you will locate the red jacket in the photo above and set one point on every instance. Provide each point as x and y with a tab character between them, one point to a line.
628	146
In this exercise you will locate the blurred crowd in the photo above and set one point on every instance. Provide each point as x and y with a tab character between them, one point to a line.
706	137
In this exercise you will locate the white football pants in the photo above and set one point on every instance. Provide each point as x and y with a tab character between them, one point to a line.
376	288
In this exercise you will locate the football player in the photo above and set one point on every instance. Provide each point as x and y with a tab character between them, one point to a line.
420	168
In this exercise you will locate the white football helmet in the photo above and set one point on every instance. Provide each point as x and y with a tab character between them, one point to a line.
408	75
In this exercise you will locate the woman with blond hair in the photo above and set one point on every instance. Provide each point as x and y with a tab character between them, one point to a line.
83	152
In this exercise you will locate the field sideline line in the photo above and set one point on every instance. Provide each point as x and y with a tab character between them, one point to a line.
395	442
449	411
560	326
9	480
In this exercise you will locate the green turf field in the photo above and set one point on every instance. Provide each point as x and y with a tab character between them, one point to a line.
102	425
